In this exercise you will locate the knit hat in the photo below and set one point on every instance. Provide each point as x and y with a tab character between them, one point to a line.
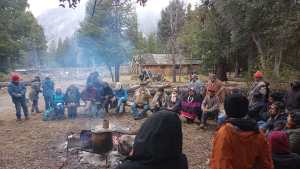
236	105
258	74
279	142
15	78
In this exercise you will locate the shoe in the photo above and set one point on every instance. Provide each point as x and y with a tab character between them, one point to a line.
26	118
202	126
138	118
18	120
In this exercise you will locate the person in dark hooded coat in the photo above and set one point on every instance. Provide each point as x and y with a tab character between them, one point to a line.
158	144
292	98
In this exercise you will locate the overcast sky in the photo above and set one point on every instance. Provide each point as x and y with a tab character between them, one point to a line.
148	16
153	6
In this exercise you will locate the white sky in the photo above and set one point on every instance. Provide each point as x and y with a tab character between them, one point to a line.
153	6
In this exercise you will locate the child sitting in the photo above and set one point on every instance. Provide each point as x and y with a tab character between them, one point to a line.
58	104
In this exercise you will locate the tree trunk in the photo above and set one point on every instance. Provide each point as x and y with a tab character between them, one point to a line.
221	70
262	54
237	67
117	72
277	63
111	72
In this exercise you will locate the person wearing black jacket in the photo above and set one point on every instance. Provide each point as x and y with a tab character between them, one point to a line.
158	144
292	98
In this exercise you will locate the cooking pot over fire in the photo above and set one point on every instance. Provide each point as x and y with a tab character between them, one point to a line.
102	139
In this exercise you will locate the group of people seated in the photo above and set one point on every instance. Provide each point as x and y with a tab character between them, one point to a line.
260	129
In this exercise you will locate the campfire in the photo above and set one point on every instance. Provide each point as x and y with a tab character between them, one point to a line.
102	146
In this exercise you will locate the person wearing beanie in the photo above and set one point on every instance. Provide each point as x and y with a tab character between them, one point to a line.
293	130
281	154
258	86
238	143
17	91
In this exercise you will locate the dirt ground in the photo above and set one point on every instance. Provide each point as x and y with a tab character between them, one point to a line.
34	144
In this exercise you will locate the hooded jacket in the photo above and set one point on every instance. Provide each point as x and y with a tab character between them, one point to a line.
158	144
239	145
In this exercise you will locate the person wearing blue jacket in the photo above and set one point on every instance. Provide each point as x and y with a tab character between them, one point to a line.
17	91
48	92
121	95
59	104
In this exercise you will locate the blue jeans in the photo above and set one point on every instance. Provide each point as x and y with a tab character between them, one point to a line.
97	110
72	112
59	112
35	106
121	105
136	113
48	102
221	118
19	105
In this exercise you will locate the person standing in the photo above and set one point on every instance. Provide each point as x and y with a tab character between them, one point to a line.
238	143
17	91
34	95
48	92
197	85
258	86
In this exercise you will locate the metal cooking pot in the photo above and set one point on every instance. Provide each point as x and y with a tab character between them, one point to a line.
102	139
102	142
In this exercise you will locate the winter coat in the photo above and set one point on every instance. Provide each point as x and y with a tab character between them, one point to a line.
292	98
173	106
158	144
276	121
258	87
58	99
191	108
142	96
35	90
121	93
198	86
48	87
240	147
286	161
17	91
211	103
294	140
159	100
72	95
258	110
